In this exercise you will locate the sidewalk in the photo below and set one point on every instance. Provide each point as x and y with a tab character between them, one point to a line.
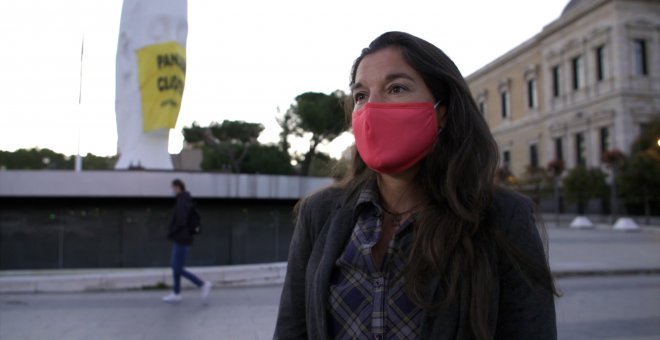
95	280
599	251
603	251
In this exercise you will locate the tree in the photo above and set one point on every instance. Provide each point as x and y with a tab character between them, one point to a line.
37	159
231	139
267	159
505	177
288	125
639	179
325	166
535	182
259	159
34	159
582	184
320	115
648	138
93	162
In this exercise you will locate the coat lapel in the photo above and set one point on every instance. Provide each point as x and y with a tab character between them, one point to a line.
334	236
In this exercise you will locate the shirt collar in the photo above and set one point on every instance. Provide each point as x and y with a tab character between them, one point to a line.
368	197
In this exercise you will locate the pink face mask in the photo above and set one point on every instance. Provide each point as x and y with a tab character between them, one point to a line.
392	137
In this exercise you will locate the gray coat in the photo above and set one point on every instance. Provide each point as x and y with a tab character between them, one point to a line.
324	225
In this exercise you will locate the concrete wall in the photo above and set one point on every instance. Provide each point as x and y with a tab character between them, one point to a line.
108	219
155	184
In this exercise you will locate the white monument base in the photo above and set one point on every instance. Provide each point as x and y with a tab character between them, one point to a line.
625	224
581	222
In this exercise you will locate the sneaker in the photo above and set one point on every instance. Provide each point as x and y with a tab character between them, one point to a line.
206	290
172	297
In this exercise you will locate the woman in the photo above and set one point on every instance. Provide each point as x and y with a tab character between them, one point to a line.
417	243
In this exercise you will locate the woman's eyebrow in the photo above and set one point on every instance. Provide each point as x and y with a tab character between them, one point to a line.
389	77
394	76
355	86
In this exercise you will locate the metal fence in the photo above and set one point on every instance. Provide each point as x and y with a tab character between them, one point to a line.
110	233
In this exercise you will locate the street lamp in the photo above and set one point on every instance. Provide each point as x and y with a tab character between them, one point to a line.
613	159
556	167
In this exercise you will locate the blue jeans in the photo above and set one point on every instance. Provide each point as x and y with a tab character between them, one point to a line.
179	254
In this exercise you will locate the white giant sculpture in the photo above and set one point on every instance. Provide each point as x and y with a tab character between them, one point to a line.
150	80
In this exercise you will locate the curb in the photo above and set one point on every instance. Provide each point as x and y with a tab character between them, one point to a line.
137	279
606	272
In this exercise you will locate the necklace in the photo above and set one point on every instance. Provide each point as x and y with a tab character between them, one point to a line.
397	216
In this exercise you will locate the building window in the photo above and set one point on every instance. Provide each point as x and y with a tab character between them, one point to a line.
559	149
481	98
577	72
580	152
532	96
604	140
506	104
555	81
533	156
641	59
506	158
600	63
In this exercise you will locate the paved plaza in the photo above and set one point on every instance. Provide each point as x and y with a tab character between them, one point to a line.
619	307
580	251
232	313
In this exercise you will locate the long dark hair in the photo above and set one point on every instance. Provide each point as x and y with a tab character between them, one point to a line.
453	237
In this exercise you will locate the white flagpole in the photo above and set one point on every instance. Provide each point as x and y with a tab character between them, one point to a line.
78	166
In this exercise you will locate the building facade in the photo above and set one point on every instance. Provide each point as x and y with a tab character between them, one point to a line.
587	83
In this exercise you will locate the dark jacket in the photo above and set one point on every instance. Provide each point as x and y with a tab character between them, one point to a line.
179	231
324	225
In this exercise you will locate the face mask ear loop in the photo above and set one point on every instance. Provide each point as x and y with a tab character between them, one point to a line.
435	106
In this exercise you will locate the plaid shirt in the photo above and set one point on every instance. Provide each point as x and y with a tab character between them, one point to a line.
365	301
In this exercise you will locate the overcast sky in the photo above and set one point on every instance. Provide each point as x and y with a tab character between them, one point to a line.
244	58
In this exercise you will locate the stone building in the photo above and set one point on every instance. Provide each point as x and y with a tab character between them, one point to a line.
587	83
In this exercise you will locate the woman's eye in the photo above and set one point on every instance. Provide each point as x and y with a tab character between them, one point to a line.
397	89
359	97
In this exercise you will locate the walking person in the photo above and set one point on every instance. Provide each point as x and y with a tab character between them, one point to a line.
181	235
417	242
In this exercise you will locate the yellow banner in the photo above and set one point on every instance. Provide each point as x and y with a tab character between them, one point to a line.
162	75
